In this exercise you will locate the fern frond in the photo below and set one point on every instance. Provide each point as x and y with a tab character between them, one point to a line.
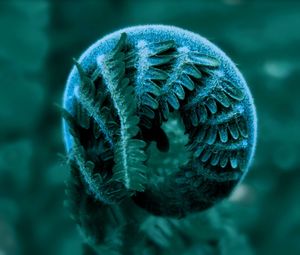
86	95
216	113
128	152
186	66
148	59
93	180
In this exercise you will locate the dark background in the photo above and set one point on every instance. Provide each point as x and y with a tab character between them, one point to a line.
38	40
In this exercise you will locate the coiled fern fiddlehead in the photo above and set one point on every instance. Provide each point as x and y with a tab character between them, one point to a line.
135	88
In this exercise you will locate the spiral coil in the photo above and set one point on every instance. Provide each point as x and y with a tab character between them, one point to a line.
123	91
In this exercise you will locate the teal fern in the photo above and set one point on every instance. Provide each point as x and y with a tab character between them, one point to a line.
125	96
128	153
90	105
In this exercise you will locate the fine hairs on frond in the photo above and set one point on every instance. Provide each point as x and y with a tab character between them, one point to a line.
129	95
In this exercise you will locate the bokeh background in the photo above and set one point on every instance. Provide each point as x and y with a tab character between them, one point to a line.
38	40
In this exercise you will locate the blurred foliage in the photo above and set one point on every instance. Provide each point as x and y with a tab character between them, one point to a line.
37	42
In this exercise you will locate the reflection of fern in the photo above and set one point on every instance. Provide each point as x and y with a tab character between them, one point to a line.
124	93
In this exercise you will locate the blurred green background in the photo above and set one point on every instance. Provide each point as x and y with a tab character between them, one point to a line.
38	40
